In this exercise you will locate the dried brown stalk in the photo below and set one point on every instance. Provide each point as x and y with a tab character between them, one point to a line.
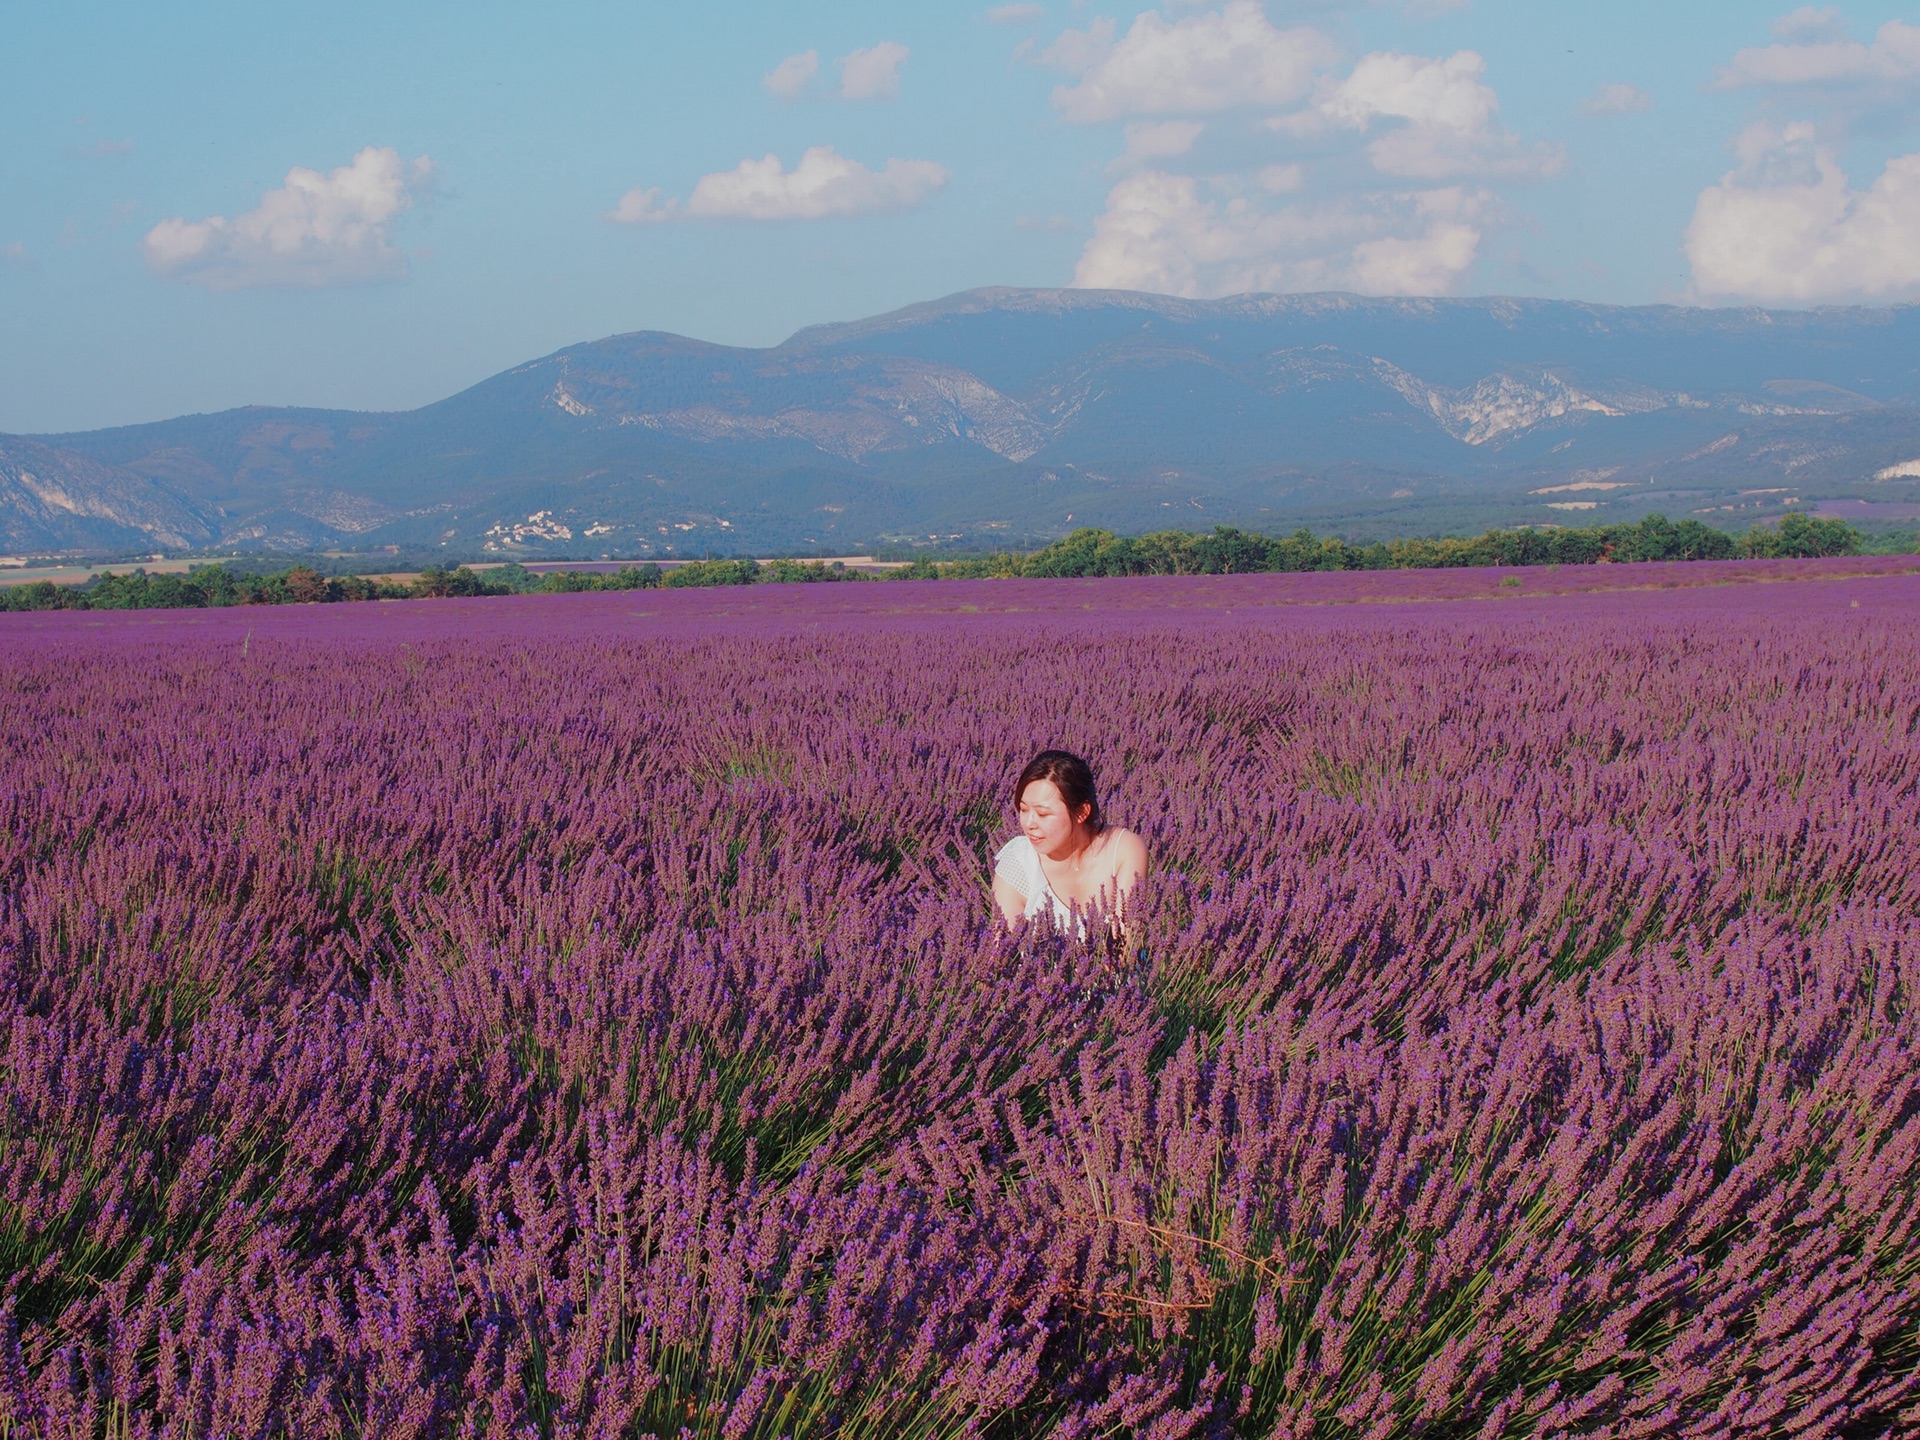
1265	1268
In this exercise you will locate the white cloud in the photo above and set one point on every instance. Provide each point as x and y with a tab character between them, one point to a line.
869	74
1787	226
1812	22
1158	140
1374	175
1074	51
1160	232
1827	59
873	73
1218	60
824	183
316	229
644	206
1019	14
1448	128
790	78
1617	100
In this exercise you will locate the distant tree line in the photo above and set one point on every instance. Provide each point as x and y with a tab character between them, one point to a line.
218	585
204	586
1227	551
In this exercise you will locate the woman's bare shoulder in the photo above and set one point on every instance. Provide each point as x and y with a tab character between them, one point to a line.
1126	847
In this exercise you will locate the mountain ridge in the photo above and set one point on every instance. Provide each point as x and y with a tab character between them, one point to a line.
1003	415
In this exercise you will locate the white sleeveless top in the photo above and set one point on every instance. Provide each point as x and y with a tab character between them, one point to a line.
1018	863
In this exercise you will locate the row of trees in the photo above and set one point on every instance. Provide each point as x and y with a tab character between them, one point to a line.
517	580
217	585
1227	551
206	585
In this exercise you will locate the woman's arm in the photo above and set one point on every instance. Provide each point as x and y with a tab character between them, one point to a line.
1129	863
1129	868
1013	905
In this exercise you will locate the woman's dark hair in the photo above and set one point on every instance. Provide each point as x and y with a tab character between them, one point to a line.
1070	775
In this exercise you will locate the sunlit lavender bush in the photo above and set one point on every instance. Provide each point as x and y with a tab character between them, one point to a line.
582	1016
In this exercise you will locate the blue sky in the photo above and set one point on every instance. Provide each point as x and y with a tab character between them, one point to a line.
207	205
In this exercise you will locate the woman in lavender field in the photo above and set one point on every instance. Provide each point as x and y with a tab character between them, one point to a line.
1066	859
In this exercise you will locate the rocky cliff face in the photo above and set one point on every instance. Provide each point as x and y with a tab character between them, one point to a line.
56	499
1011	414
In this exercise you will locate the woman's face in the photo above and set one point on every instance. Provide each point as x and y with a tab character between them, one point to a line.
1045	818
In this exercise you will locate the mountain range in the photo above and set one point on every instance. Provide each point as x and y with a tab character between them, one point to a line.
1010	416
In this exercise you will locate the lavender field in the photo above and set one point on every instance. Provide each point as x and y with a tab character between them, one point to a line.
584	1016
